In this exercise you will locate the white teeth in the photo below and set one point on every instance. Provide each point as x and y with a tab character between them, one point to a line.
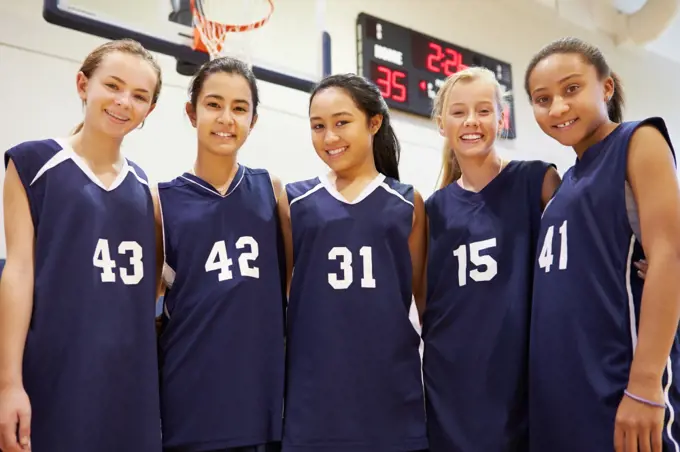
336	151
224	134
568	123
471	136
120	118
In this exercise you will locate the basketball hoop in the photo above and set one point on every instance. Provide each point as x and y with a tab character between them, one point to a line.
211	26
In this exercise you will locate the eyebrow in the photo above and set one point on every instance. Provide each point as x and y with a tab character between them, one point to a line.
334	115
120	80
562	80
219	97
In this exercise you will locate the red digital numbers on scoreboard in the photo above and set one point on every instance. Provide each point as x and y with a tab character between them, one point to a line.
443	60
393	83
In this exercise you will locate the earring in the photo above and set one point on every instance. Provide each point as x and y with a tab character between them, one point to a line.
142	125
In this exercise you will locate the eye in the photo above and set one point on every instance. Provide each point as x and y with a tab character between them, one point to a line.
485	111
142	98
112	85
213	105
458	113
541	100
317	126
241	109
572	88
341	123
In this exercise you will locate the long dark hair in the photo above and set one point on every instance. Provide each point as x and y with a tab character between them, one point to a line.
227	65
591	55
367	97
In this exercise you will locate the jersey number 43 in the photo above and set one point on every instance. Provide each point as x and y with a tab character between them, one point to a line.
102	259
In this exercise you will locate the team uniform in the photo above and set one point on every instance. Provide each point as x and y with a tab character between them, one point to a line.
222	342
354	379
586	305
476	324
89	364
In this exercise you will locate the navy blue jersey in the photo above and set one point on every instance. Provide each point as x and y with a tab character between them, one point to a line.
222	345
90	359
586	305
354	379
476	323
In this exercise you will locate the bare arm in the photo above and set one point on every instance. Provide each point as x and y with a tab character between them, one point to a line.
551	182
287	232
651	173
418	246
16	285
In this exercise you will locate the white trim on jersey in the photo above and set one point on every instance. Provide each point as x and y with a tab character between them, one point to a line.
392	191
634	339
317	187
67	153
629	290
368	189
215	192
671	411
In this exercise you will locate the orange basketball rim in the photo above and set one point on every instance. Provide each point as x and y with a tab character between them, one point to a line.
209	35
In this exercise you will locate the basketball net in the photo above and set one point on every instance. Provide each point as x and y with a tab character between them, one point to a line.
225	27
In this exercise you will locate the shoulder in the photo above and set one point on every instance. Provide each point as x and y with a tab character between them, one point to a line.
402	190
536	168
139	172
38	150
650	148
297	189
178	181
651	131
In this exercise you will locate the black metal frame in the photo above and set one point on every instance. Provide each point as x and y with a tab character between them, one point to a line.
188	60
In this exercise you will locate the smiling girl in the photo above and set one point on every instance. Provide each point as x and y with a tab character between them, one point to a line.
604	349
357	248
222	341
483	224
78	366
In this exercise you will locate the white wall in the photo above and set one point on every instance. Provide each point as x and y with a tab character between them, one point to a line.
36	108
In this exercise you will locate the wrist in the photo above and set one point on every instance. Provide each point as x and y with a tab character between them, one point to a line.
10	379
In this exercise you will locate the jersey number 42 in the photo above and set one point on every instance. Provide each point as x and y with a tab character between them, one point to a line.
218	260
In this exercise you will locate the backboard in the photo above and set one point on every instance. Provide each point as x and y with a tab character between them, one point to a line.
165	26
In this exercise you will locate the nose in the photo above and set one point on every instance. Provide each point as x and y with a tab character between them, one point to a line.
330	137
558	107
226	117
471	120
123	99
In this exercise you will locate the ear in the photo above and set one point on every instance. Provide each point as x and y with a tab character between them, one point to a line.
153	107
609	88
440	126
501	121
375	123
191	113
81	85
253	122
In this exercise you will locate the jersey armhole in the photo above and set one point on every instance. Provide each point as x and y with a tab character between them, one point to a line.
26	184
632	212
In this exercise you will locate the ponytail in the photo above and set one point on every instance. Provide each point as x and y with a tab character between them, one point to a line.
368	98
78	128
617	102
386	150
450	171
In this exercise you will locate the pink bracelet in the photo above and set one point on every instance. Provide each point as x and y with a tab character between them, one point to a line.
645	401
